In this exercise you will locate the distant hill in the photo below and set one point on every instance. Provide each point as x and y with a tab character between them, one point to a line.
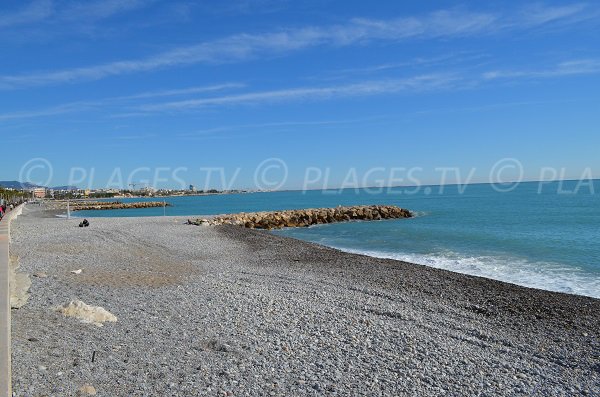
27	185
17	185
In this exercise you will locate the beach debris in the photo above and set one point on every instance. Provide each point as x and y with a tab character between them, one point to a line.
307	217
86	314
85	223
86	390
40	275
78	271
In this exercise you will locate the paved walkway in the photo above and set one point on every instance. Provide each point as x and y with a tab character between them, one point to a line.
5	370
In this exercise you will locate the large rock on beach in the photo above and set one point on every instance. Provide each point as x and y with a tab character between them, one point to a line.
87	314
86	390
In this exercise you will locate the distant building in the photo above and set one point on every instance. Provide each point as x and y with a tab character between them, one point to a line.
148	190
192	188
39	192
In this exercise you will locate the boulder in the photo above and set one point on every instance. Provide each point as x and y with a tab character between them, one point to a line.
86	314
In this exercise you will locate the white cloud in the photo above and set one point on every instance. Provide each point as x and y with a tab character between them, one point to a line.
418	83
429	82
100	9
52	111
414	84
34	12
277	124
539	15
242	47
568	68
80	106
181	91
52	11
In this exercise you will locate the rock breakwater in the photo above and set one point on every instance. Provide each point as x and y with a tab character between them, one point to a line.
119	205
104	205
307	217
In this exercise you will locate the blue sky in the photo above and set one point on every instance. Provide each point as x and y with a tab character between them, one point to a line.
99	89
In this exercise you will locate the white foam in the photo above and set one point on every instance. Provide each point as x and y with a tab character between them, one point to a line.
541	275
418	214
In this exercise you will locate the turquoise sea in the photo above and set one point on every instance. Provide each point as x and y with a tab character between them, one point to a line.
544	236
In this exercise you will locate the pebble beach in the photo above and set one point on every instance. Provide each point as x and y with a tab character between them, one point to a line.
223	310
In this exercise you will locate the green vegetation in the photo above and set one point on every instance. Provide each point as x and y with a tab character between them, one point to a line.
12	195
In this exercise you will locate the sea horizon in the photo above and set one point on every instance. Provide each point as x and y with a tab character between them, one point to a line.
249	190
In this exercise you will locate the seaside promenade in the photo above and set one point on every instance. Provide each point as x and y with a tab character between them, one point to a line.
5	322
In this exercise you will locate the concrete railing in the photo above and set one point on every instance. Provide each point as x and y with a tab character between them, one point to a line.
5	368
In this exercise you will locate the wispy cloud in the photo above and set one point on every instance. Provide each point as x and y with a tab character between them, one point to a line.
241	47
51	111
396	65
418	83
144	104
59	12
135	137
270	125
182	91
418	63
492	106
537	14
370	88
34	12
568	68
81	106
237	7
100	9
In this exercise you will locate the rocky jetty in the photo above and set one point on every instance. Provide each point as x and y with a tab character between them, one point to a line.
307	217
103	205
116	205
